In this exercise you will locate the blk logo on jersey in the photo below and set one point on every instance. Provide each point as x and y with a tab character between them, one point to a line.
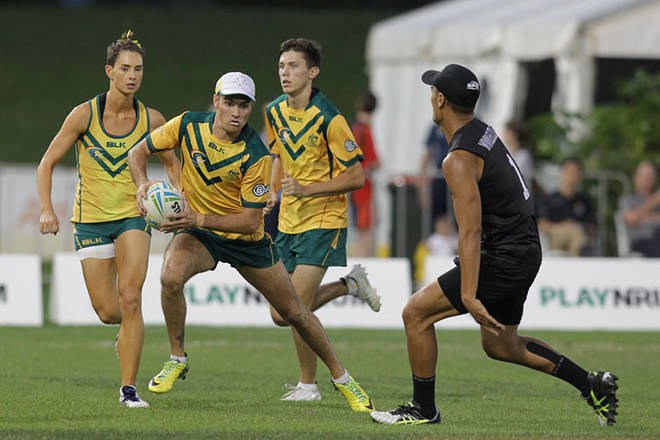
111	144
216	148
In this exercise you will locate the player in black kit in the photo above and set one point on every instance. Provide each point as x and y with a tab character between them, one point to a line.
499	256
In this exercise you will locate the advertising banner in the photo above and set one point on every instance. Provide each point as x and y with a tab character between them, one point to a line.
223	298
582	294
20	290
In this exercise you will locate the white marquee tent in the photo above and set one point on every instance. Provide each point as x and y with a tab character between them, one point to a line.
494	38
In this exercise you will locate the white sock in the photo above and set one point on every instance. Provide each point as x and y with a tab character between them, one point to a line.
352	286
343	379
307	386
179	359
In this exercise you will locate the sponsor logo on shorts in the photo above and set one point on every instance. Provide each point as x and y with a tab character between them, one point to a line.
350	145
260	189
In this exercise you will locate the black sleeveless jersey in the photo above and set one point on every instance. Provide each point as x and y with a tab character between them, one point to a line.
509	230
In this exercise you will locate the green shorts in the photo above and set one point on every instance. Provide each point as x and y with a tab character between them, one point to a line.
238	253
317	247
97	240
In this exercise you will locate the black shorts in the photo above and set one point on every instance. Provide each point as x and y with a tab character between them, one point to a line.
502	289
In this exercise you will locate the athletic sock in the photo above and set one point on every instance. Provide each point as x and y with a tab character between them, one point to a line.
572	373
565	369
307	386
179	359
424	394
343	379
351	284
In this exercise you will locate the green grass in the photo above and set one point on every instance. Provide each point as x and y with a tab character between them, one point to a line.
62	382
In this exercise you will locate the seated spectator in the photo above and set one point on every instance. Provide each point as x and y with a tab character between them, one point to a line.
641	211
566	217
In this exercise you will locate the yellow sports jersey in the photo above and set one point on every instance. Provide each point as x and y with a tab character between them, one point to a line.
218	177
105	190
314	145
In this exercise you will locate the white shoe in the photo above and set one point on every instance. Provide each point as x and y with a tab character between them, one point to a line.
364	289
301	394
128	397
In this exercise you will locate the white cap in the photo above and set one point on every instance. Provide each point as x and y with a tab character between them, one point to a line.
235	83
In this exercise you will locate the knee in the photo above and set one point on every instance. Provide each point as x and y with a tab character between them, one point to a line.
108	316
410	317
171	282
129	300
296	316
277	319
494	351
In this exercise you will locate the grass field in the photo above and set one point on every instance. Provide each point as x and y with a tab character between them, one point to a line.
62	382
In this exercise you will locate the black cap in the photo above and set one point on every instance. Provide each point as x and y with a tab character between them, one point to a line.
457	83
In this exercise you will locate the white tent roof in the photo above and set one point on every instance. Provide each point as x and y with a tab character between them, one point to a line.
493	38
523	29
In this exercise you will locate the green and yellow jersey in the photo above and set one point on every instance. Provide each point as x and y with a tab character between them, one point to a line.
105	190
314	144
219	177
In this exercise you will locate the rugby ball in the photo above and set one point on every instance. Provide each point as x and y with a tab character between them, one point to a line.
162	201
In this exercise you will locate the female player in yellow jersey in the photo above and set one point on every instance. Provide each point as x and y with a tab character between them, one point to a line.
111	237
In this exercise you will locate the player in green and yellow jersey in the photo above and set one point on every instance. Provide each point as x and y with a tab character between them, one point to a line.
317	162
110	236
225	178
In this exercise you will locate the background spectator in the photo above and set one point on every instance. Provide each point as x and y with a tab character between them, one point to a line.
566	217
431	178
362	199
641	211
515	139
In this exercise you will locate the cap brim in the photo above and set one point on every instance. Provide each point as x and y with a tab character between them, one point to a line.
429	77
236	92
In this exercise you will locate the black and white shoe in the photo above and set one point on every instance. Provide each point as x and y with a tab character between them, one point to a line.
128	397
409	414
602	396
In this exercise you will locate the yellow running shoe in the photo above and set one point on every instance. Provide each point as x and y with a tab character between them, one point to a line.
355	395
163	381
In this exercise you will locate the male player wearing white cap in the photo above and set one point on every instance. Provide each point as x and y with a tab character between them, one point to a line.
225	180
